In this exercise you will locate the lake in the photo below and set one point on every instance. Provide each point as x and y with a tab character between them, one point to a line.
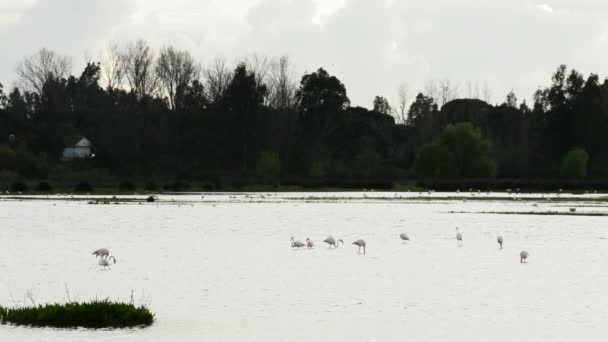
220	267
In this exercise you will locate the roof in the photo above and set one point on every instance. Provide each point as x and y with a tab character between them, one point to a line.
84	142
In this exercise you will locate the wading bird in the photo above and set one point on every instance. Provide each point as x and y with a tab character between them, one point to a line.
360	243
105	262
332	242
102	252
523	256
458	236
296	244
309	243
499	240
404	237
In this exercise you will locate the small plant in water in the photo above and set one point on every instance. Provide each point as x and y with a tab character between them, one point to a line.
96	314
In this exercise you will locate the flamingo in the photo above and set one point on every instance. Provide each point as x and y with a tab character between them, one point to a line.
523	256
102	252
105	262
296	244
360	243
332	242
404	237
458	236
310	243
499	240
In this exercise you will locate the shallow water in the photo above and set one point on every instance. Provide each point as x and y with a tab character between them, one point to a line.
220	268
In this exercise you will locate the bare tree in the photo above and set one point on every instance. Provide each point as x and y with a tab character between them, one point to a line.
175	70
217	78
282	87
431	89
400	112
447	91
44	65
487	92
138	67
473	89
112	72
260	66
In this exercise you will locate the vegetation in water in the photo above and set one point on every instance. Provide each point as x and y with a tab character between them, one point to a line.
95	314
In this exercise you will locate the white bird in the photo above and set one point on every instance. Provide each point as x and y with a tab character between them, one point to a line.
499	240
105	262
523	256
458	236
404	237
332	242
310	243
360	243
296	244
102	252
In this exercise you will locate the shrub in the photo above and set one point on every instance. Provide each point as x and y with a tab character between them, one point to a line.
459	151
317	169
574	164
83	187
18	186
43	187
151	186
126	186
268	165
95	314
8	158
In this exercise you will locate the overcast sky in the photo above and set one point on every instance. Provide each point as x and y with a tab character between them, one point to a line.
371	45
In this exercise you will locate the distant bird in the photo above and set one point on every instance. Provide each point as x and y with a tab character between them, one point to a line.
296	244
458	236
332	242
105	262
102	252
404	237
499	240
523	256
360	243
309	243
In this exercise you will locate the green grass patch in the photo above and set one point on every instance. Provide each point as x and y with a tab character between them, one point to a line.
96	314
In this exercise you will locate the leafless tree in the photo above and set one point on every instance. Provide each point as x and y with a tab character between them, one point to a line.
175	70
260	66
112	72
487	92
217	79
431	89
282	87
44	65
447	91
473	89
138	67
400	111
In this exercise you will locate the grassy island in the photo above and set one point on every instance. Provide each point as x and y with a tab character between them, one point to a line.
95	315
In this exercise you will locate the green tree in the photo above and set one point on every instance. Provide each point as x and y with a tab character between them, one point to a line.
459	151
574	165
268	165
381	105
434	161
319	90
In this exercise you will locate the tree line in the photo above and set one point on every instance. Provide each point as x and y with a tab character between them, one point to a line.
160	115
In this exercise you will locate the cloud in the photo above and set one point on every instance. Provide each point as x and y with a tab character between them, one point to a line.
371	45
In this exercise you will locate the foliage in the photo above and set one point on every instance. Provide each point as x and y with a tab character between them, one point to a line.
95	314
268	165
574	164
460	151
83	187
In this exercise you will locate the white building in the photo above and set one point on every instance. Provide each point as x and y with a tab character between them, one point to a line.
82	150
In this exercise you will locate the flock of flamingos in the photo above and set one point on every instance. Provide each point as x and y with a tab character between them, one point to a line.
104	254
331	242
